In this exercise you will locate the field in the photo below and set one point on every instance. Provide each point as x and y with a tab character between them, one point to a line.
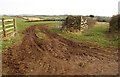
21	26
40	48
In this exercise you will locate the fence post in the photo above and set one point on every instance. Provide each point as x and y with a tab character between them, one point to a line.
14	23
3	25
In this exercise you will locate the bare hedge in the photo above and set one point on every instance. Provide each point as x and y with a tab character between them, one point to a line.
115	23
74	23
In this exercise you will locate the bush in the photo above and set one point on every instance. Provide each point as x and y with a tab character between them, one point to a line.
72	23
115	23
92	16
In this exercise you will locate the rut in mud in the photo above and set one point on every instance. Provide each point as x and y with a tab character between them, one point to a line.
56	55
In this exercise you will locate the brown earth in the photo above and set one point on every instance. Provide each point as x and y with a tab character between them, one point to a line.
56	55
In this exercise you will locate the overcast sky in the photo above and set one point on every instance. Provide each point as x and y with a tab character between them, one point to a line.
59	7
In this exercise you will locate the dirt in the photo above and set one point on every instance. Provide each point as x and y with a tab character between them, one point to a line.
56	55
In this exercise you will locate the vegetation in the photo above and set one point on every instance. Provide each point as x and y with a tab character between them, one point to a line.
115	23
52	17
91	16
21	26
96	35
72	23
103	19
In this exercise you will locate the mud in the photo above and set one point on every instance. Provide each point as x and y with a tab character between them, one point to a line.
56	55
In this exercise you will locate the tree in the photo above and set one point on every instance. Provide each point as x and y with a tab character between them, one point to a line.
92	16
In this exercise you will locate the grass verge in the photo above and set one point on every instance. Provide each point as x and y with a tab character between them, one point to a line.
96	35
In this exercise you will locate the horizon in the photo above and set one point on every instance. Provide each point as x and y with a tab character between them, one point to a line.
49	15
59	7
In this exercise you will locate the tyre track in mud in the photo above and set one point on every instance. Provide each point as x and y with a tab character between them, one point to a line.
56	55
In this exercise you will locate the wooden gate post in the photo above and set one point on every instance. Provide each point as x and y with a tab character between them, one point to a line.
14	23
3	25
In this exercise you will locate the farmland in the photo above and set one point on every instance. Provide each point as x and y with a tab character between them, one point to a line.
41	48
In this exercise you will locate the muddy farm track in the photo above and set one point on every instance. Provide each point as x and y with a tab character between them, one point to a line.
56	55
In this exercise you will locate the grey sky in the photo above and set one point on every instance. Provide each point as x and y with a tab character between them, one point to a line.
119	7
60	7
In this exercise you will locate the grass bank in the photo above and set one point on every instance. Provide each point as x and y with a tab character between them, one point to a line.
97	35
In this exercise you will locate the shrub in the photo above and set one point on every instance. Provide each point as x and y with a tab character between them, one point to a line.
72	23
115	23
75	23
92	16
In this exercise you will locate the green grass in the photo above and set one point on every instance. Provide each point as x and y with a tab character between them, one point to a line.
96	35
